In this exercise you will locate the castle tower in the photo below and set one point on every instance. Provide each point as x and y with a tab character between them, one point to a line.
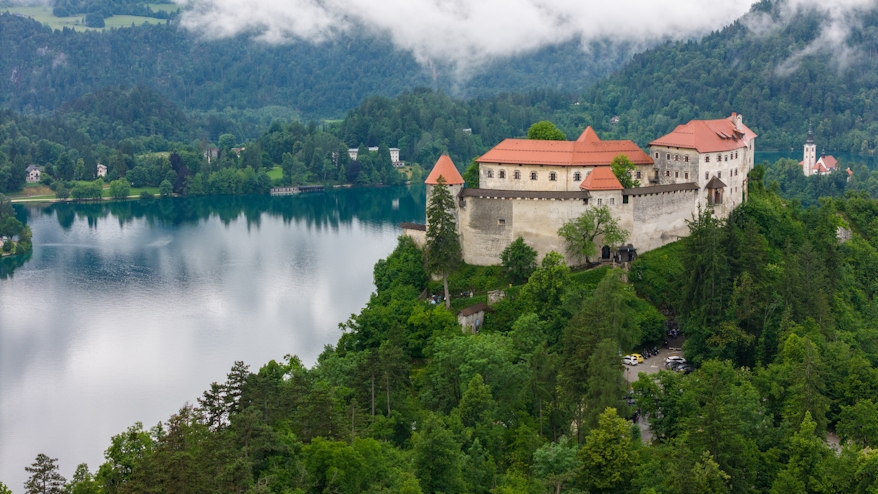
810	158
445	168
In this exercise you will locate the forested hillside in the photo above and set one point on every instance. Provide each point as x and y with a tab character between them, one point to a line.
779	318
751	72
42	69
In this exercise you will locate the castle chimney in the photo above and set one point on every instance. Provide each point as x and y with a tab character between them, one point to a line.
738	120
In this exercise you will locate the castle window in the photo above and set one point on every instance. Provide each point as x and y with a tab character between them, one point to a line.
736	172
686	175
706	176
736	155
727	157
719	158
676	157
502	174
637	175
676	174
489	173
707	159
533	175
553	176
668	157
624	199
656	156
599	202
686	159
577	176
501	222
612	201
516	175
719	174
667	173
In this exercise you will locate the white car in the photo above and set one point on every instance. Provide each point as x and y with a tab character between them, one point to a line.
673	360
629	360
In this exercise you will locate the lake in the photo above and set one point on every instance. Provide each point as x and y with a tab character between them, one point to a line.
126	311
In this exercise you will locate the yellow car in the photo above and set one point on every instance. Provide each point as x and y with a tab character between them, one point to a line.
638	356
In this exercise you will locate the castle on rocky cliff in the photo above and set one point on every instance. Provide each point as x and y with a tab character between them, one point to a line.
530	188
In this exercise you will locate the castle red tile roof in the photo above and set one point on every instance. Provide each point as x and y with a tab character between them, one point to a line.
587	150
708	136
601	178
446	169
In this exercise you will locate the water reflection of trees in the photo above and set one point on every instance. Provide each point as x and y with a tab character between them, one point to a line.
10	264
328	209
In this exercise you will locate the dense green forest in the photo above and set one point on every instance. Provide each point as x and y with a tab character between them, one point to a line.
44	69
778	314
737	69
107	8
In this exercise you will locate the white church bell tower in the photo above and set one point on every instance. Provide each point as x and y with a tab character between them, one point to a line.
810	159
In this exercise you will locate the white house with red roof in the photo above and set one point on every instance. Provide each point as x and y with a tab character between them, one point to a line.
530	188
811	165
525	164
716	155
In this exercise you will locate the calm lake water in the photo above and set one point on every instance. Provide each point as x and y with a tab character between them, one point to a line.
126	311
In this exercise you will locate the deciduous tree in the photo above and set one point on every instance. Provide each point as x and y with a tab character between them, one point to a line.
594	224
545	131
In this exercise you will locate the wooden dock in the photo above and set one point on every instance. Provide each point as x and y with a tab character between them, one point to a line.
288	191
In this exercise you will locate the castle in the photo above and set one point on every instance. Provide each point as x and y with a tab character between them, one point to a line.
530	188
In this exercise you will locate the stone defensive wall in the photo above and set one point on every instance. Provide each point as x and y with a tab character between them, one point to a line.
489	220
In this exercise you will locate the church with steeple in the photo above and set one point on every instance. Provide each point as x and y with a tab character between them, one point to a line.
811	164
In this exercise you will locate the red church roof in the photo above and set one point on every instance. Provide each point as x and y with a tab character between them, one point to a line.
601	178
708	136
446	169
587	150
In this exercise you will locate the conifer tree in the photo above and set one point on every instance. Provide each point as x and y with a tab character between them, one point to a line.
443	244
45	478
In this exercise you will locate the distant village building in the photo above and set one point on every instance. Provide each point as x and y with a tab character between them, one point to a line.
394	155
468	131
614	120
530	188
238	151
810	164
32	174
211	154
102	170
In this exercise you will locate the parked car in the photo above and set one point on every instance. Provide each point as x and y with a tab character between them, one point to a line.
638	356
684	368
629	360
672	360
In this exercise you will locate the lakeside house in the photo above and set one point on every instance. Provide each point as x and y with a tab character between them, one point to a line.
394	155
102	170
33	174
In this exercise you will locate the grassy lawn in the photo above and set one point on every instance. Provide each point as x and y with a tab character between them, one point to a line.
275	173
43	15
32	190
167	7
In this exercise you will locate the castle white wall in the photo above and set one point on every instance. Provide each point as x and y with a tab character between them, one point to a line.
488	225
